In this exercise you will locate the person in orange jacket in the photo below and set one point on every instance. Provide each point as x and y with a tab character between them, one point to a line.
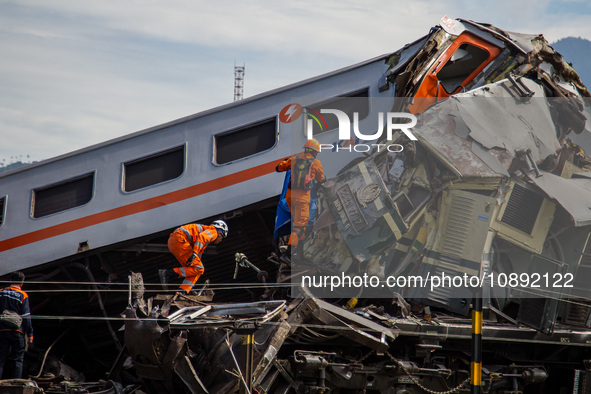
12	338
187	243
305	168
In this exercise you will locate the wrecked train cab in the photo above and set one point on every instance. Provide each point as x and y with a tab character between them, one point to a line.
470	55
486	191
462	55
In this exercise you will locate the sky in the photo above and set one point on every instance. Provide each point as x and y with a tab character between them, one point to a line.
74	73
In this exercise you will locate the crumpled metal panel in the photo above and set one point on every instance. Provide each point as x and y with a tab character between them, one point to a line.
400	58
480	133
436	131
574	195
519	40
499	118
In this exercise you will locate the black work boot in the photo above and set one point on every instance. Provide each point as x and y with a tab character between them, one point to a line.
166	275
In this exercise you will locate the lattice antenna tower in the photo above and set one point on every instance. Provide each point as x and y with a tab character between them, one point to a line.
238	82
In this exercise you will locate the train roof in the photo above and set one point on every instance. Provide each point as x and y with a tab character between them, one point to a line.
200	114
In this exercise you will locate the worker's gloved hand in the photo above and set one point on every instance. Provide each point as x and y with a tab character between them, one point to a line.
277	166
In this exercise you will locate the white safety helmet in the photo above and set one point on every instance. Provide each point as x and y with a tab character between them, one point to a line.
221	226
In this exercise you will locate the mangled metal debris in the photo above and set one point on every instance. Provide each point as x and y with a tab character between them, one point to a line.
314	346
217	332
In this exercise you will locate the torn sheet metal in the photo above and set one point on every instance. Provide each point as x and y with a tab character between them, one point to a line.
352	326
481	133
499	118
446	136
574	195
436	132
521	41
401	57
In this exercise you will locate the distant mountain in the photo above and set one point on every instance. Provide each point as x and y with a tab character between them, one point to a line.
576	51
14	165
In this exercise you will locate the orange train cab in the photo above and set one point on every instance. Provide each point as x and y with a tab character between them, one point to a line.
465	58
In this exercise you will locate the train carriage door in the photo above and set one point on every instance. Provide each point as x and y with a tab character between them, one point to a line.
466	57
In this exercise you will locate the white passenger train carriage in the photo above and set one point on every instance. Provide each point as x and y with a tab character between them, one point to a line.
199	166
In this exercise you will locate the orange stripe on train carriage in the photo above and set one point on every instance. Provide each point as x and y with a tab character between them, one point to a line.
138	207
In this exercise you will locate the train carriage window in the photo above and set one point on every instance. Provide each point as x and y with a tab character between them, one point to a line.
357	101
244	142
62	196
2	209
154	169
465	60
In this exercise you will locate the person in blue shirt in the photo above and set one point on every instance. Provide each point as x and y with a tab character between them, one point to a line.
13	339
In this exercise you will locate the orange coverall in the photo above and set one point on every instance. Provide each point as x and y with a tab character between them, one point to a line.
187	244
300	208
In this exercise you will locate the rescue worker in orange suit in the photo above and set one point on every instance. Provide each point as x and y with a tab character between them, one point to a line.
305	168
187	243
13	339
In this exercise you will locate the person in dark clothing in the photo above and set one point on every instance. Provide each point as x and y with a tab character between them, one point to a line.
13	339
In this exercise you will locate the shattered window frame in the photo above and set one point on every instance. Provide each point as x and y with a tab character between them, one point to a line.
491	49
154	169
246	141
62	196
451	83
